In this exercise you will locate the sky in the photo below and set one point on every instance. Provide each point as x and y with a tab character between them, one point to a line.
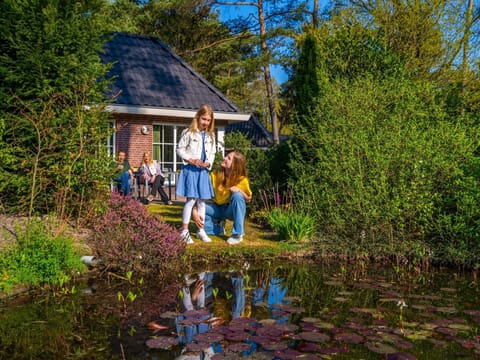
229	12
233	11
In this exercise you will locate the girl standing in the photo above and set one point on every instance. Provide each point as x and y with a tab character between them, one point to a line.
152	172
197	150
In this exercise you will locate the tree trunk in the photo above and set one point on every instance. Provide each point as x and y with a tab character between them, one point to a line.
267	75
466	39
315	14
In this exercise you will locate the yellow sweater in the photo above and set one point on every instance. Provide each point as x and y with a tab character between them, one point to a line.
223	196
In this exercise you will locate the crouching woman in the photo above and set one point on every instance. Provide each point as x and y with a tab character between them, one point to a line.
231	189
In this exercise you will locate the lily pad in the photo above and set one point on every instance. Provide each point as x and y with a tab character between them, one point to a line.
472	312
287	354
274	345
168	315
194	346
380	348
314	336
238	347
446	331
460	327
161	342
420	335
237	336
286	327
324	325
311	319
308	347
349	338
208	337
446	309
270	330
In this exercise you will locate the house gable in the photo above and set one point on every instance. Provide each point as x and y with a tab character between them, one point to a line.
151	85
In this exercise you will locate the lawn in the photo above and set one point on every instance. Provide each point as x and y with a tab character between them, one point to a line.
258	243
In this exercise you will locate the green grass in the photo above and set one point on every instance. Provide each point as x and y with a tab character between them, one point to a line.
259	243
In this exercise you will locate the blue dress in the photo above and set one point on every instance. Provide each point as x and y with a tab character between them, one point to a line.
194	182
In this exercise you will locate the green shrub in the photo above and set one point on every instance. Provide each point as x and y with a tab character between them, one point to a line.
387	163
291	225
39	258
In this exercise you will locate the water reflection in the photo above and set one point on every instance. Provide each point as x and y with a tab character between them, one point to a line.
259	311
357	318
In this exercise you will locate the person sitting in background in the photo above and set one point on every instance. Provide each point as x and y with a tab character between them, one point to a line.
124	175
152	173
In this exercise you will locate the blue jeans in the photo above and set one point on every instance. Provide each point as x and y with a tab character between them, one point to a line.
124	183
235	210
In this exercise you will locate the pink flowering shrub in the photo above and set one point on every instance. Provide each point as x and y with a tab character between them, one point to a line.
127	238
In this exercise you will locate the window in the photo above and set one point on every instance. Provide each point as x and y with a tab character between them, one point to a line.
165	138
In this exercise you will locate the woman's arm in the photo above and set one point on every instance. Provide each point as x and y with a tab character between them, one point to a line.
146	172
246	196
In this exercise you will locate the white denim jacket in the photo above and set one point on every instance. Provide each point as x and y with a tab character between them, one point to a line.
190	146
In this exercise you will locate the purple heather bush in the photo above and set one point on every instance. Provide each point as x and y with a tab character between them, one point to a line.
127	238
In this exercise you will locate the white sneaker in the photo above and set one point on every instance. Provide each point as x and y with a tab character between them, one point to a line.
185	235
202	235
235	239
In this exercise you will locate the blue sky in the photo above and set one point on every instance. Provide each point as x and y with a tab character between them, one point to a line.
233	11
230	11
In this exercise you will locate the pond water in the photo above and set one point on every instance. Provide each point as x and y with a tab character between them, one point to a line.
256	311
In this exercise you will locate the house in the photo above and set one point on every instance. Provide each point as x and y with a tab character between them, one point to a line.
155	96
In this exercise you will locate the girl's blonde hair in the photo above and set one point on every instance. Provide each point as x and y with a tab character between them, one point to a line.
238	171
149	158
204	109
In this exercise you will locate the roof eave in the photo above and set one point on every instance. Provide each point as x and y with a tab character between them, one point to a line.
175	113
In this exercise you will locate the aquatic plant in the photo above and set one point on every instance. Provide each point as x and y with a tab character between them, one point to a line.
39	257
127	238
291	225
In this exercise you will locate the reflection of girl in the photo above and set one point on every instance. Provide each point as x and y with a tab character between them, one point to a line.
197	150
197	295
193	319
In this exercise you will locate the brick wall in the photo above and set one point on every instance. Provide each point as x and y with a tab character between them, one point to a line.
130	139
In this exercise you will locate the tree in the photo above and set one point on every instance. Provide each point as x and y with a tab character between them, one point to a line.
123	15
429	35
51	102
273	22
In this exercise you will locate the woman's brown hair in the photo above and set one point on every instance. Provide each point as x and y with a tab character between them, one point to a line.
237	172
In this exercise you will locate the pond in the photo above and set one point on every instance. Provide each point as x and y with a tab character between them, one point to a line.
255	311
